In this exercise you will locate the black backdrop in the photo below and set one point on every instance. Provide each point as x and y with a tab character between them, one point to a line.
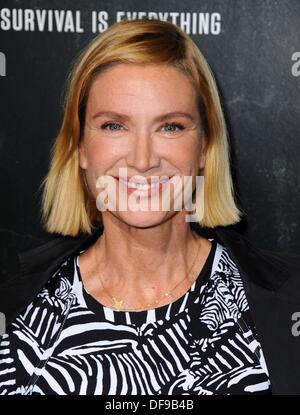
253	47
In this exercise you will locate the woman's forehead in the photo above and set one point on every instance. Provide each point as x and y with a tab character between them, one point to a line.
127	75
132	83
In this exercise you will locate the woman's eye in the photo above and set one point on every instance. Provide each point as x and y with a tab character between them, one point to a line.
173	127
115	126
169	127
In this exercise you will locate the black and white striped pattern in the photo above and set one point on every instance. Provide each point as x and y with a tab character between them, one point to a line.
65	342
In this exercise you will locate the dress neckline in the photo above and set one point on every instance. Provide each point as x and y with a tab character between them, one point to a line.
153	314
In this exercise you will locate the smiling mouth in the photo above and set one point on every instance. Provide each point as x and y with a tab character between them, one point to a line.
148	184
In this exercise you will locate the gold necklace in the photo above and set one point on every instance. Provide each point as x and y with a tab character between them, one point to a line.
118	304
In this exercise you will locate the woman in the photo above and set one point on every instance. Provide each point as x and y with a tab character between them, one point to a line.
144	301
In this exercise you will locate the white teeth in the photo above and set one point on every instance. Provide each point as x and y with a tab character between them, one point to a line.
123	181
141	186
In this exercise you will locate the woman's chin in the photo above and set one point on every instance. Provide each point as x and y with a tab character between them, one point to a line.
141	219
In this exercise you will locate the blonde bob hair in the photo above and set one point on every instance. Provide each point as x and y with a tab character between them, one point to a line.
67	204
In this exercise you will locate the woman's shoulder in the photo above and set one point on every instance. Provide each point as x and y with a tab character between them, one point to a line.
19	252
240	242
20	242
290	263
286	258
11	244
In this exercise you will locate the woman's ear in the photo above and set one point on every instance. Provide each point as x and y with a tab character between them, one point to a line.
82	156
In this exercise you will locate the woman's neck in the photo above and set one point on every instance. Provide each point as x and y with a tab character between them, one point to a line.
146	259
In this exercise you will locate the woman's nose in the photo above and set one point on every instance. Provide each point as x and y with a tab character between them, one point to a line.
141	154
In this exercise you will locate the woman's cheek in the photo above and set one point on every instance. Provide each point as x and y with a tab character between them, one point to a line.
91	181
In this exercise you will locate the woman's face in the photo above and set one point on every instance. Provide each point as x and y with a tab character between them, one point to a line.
144	119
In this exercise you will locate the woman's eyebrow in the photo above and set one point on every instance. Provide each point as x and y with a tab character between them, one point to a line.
159	118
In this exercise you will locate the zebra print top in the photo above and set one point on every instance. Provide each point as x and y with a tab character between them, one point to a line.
66	342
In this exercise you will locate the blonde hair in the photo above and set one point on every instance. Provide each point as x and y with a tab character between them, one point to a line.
67	204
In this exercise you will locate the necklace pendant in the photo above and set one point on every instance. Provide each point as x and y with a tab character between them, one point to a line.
117	305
